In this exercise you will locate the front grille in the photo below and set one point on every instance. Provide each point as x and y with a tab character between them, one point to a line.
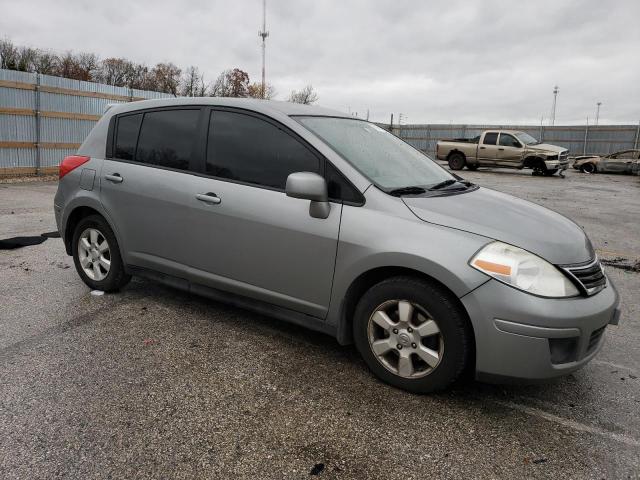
594	339
590	276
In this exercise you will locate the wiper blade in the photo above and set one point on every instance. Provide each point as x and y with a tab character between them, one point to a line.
413	190
446	183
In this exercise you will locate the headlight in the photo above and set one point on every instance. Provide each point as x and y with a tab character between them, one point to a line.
522	270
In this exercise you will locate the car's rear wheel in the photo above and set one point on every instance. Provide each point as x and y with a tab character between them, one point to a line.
456	161
412	334
588	168
96	255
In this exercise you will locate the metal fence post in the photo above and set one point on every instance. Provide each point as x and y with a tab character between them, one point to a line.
635	142
586	133
37	119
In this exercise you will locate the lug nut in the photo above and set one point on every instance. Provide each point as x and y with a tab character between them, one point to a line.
395	330
399	347
409	329
413	345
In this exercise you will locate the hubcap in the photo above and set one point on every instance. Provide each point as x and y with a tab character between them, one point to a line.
94	254
405	339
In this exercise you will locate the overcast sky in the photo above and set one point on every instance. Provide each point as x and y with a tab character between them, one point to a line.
434	61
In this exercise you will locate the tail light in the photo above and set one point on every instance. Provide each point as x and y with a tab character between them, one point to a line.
71	163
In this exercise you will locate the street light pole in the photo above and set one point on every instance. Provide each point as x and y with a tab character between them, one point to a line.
264	34
598	111
553	107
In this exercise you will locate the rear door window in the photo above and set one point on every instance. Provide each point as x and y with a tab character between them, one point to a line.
490	138
248	149
127	136
167	138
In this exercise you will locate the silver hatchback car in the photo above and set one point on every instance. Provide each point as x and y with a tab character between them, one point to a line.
333	223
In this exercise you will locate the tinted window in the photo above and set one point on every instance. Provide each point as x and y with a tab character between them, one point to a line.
507	140
338	187
248	149
490	138
167	138
127	136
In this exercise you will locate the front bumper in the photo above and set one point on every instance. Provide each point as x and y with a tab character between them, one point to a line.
557	164
522	336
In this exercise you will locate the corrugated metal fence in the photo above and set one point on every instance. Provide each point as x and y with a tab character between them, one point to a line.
45	118
579	139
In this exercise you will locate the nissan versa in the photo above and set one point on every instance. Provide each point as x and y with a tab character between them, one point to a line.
333	223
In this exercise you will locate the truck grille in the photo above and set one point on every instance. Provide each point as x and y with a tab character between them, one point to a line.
589	276
564	156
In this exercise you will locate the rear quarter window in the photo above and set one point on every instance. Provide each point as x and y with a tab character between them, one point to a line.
127	136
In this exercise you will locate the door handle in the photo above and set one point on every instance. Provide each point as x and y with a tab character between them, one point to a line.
482	148
114	177
501	149
209	197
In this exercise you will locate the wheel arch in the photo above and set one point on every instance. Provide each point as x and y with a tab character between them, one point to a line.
76	213
369	278
532	160
454	151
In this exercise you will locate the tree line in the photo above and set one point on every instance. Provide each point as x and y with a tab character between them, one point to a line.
164	77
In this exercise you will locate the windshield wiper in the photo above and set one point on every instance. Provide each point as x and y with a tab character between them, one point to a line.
413	190
440	185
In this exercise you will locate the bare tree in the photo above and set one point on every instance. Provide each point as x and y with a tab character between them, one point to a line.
231	83
46	63
306	96
26	59
167	77
81	66
140	77
115	71
8	54
88	66
192	84
255	91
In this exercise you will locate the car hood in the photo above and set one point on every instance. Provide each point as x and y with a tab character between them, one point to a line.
509	219
546	147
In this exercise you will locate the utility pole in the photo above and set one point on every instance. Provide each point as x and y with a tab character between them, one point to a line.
264	34
598	111
553	107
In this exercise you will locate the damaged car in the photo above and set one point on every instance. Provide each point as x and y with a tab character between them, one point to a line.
624	161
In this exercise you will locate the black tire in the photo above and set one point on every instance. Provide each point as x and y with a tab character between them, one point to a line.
456	161
549	172
473	168
454	339
588	168
539	168
116	277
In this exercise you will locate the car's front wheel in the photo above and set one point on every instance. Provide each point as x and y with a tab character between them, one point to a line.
588	168
96	255
412	334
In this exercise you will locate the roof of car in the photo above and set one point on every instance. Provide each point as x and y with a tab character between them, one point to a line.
258	105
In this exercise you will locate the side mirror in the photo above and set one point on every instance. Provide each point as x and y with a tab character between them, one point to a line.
310	186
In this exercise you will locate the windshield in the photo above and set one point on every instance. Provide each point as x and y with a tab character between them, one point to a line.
526	138
384	159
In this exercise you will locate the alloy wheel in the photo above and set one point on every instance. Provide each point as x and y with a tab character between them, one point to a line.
405	339
94	254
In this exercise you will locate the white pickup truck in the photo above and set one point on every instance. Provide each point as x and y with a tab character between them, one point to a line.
505	149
